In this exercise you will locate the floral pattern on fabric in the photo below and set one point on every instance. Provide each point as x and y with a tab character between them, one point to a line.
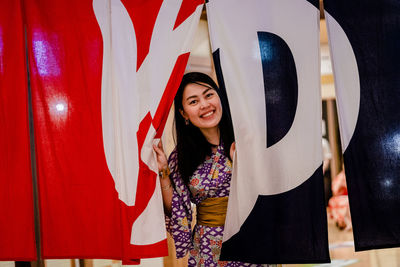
179	224
211	179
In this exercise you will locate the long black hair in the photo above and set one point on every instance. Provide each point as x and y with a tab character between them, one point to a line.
191	145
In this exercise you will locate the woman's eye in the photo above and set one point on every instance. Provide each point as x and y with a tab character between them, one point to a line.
192	102
209	95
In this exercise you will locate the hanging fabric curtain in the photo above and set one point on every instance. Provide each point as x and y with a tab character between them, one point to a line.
365	39
266	55
17	233
104	74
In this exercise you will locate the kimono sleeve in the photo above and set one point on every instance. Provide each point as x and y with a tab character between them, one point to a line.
179	223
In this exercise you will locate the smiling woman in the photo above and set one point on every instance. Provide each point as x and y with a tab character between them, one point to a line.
198	171
197	132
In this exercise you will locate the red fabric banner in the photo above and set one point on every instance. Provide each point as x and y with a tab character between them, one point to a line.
85	212
17	237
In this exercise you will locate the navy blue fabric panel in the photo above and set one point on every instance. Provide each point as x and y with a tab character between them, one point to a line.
221	82
314	3
280	85
372	159
285	228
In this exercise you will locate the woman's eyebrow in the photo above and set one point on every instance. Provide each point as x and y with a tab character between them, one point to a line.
204	85
190	97
208	89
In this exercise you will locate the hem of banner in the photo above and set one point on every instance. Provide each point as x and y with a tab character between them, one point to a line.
303	261
364	248
125	261
131	262
18	258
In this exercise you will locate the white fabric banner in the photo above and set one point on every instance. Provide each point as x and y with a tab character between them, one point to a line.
132	90
269	56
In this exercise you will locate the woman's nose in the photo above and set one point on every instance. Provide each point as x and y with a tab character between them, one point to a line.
204	104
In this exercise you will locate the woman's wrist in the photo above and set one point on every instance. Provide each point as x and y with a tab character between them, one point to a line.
164	172
166	187
164	178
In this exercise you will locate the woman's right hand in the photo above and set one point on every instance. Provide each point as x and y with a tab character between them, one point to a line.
161	157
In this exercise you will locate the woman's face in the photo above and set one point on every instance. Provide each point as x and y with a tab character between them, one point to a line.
201	105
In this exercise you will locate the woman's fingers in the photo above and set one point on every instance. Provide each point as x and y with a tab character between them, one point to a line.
157	149
161	157
160	144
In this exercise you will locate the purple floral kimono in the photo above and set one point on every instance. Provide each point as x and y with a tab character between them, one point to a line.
211	179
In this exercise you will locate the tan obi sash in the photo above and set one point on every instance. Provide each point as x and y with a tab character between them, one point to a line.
212	211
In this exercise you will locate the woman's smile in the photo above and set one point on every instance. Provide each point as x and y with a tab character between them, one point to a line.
208	114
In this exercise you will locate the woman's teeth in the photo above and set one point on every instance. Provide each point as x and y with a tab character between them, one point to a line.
207	114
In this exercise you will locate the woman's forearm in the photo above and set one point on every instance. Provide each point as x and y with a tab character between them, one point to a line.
167	192
165	181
